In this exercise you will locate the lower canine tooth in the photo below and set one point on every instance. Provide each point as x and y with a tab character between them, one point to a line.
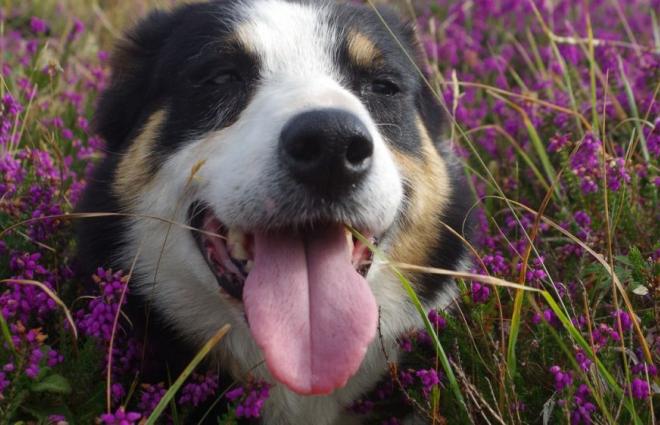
236	244
248	266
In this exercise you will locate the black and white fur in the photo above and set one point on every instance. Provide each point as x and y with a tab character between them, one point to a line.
197	101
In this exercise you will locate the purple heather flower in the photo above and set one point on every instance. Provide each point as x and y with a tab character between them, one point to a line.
548	315
12	175
624	317
98	318
32	370
83	123
644	368
582	219
586	163
583	407
582	359
639	388
150	397
653	143
429	378
617	175
557	143
117	391
361	406
234	394
120	417
67	134
562	379
10	106
4	382
406	378
23	302
496	263
31	47
535	272
602	334
77	29
198	389
53	358
38	25
385	390
250	399
56	420
57	122
125	355
480	292
251	406
423	338
437	320
406	344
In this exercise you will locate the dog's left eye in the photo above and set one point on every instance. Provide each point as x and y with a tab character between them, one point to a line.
384	87
225	77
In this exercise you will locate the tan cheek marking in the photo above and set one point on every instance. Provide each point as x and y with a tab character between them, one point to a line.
429	180
362	50
133	172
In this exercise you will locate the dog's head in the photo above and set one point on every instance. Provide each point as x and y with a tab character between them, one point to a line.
270	126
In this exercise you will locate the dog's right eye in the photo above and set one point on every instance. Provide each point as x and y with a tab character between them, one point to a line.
211	74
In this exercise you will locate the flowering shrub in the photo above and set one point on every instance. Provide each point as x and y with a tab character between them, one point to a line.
552	109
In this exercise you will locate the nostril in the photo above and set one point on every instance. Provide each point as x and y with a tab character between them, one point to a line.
359	149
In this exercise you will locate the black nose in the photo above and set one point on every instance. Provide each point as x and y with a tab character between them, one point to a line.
327	150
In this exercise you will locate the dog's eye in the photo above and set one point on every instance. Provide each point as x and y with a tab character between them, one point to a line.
384	87
228	76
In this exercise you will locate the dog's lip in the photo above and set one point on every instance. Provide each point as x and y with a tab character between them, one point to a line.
217	243
211	237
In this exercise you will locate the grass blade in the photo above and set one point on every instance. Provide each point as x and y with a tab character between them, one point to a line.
5	333
171	392
633	108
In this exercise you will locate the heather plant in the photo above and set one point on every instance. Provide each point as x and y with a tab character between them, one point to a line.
552	108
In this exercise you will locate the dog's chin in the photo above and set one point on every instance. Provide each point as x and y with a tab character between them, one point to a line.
229	252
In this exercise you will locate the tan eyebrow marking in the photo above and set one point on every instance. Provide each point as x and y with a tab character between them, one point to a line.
362	50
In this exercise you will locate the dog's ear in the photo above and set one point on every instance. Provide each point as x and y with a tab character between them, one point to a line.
430	110
134	87
426	99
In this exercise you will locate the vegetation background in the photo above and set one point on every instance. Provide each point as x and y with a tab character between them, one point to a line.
552	108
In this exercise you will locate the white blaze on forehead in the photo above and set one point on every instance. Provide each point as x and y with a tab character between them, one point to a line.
289	38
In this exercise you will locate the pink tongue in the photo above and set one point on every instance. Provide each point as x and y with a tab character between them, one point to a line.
310	312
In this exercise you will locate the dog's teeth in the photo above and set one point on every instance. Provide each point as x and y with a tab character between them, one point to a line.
248	266
349	239
236	242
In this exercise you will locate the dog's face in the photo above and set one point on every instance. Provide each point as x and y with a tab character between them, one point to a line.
271	126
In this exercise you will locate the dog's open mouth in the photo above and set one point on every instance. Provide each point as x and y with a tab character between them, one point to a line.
308	304
229	253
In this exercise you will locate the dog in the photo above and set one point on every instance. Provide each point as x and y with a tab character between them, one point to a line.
255	150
